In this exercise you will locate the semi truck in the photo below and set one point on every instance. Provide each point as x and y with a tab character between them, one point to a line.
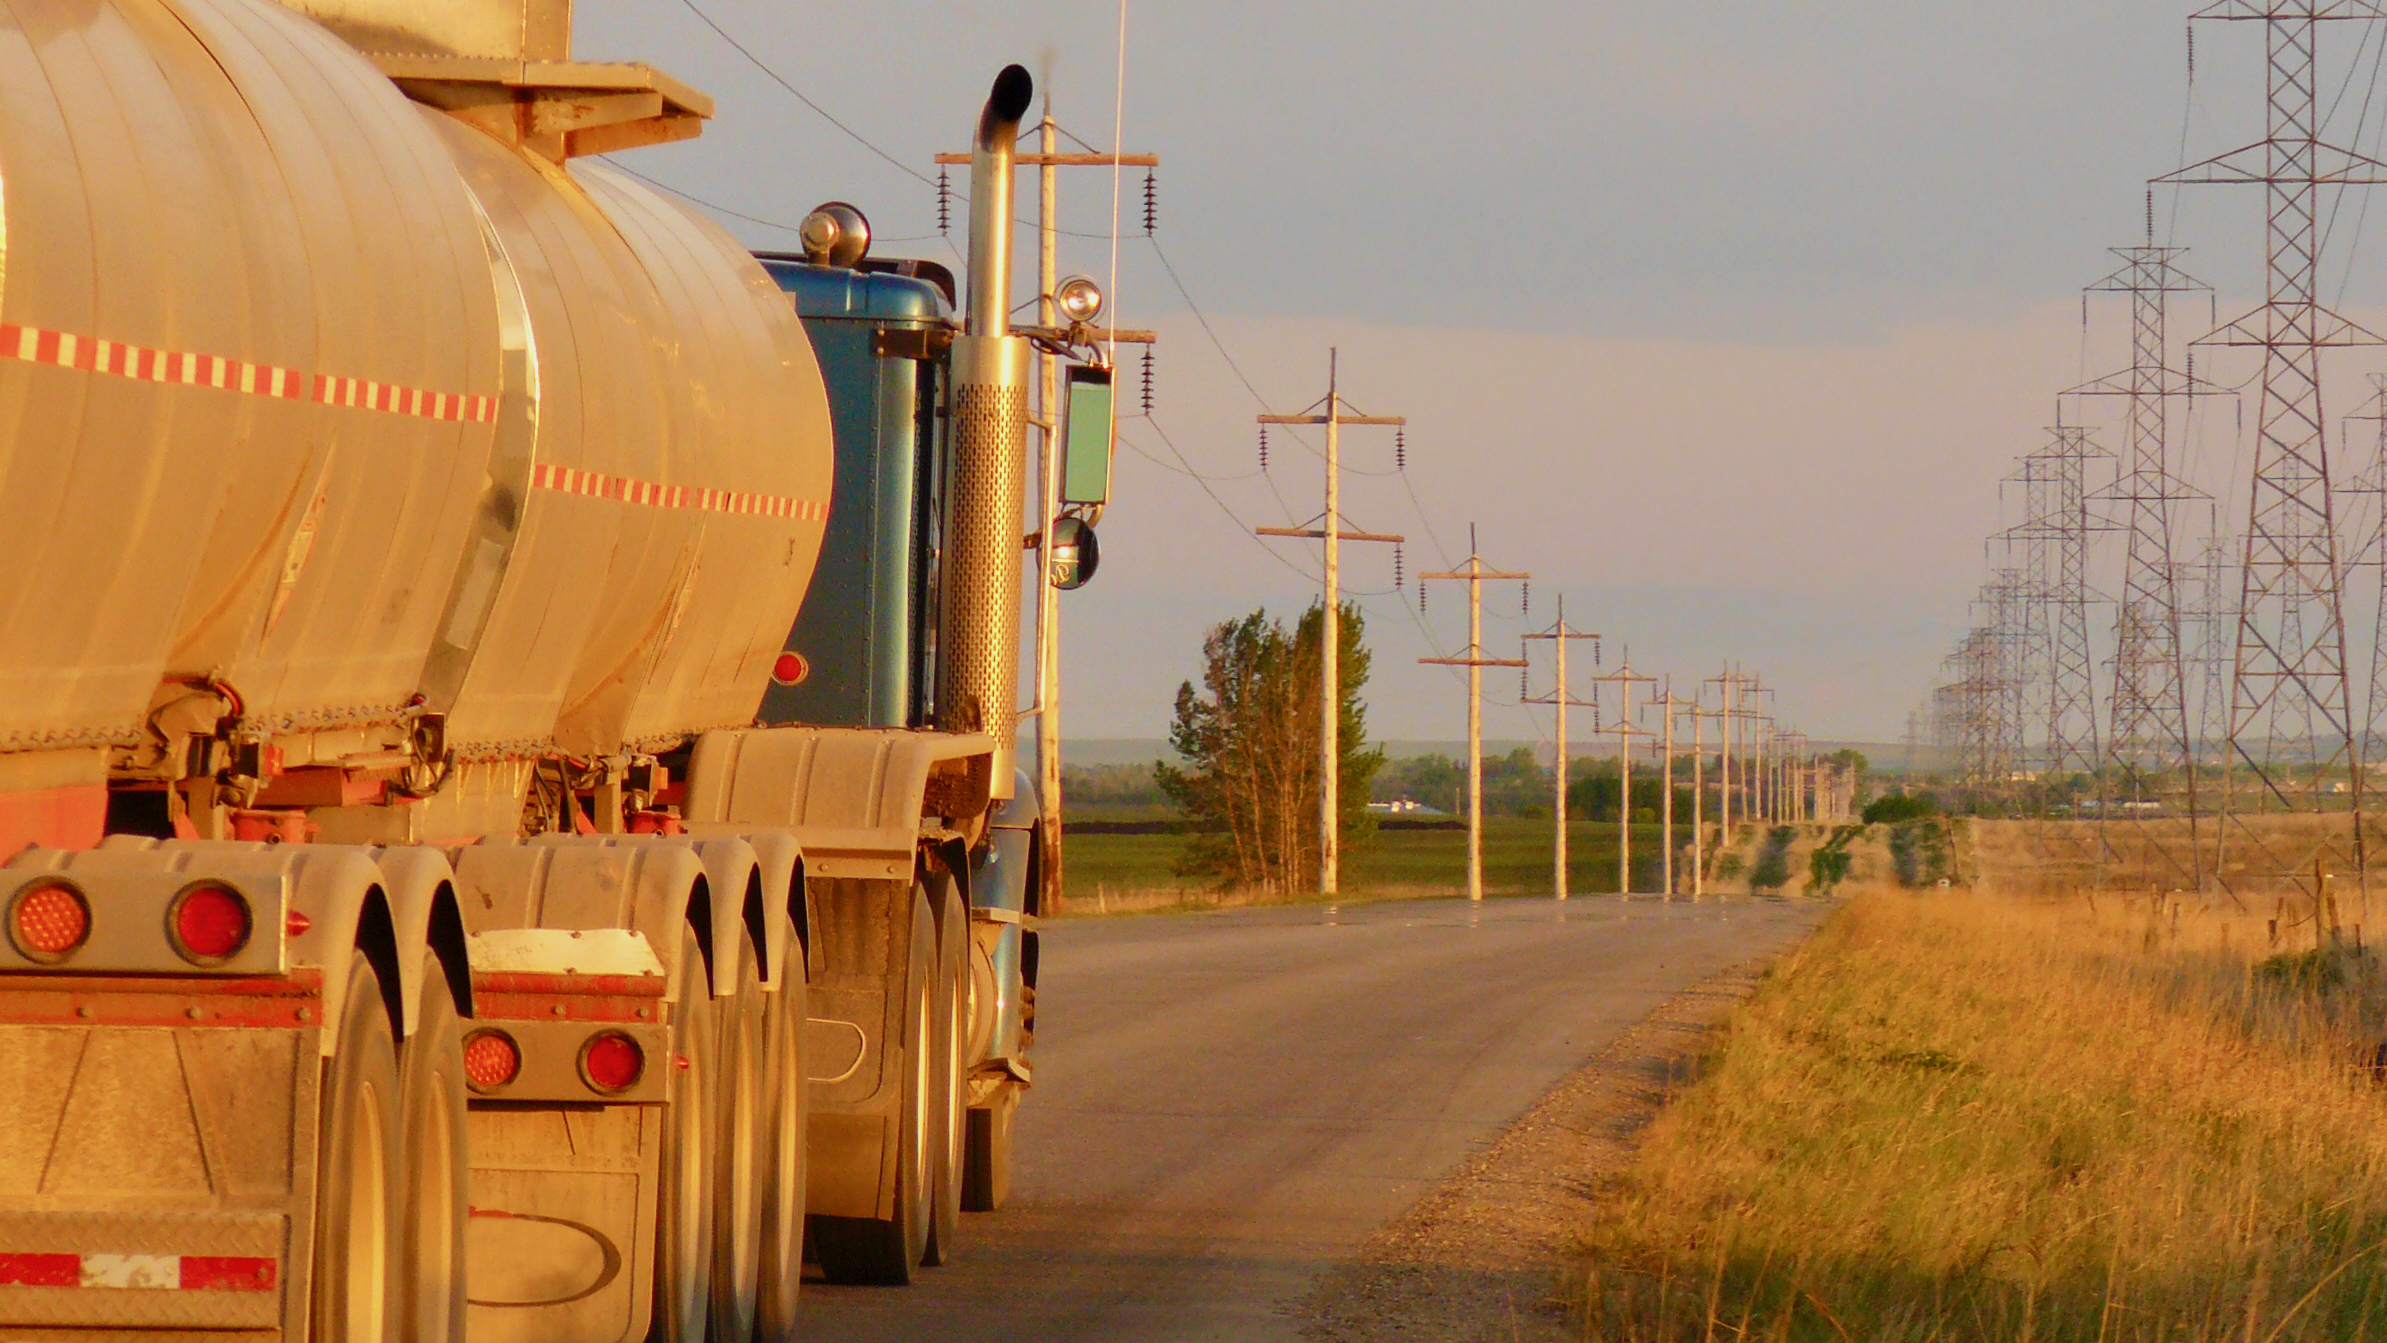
508	819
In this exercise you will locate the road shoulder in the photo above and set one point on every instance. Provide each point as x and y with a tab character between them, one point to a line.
1479	1257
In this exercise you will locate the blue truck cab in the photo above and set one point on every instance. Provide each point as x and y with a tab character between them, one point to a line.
863	650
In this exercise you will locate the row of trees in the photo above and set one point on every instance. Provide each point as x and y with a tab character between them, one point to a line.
1249	736
1519	784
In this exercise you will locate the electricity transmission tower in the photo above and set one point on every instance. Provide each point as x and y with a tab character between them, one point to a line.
2150	741
2371	553
1558	635
2291	720
2054	537
1330	529
1475	575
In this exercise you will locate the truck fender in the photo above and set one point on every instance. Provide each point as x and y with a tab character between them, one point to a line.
781	860
648	884
336	905
421	888
734	877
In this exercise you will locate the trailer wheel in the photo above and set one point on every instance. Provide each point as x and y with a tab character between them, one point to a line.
684	1230
786	1109
356	1170
986	1160
431	1245
886	1253
737	1151
951	1095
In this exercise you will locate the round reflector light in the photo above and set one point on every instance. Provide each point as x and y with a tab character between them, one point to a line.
208	924
490	1060
48	922
790	669
612	1062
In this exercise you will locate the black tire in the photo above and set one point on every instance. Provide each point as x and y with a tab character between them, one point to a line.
356	1171
986	1158
738	1150
869	1251
436	1169
684	1221
951	1090
787	1105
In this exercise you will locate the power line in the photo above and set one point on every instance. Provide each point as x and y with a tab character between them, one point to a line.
798	94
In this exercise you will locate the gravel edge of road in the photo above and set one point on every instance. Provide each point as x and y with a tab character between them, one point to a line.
1479	1258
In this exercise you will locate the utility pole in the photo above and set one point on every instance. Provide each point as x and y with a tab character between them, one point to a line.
1475	575
1330	529
1047	160
1558	635
1699	719
1727	683
1665	703
1623	678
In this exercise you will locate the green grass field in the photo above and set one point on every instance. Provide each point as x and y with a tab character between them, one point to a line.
1516	861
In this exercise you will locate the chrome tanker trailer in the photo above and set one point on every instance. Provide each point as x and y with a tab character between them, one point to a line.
409	928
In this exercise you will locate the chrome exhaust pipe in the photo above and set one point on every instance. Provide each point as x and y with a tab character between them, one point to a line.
986	498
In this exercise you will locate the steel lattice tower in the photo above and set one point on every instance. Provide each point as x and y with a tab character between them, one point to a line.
2056	671
2290	694
2218	589
2371	552
2149	738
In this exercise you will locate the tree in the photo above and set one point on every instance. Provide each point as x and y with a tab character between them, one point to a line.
1250	742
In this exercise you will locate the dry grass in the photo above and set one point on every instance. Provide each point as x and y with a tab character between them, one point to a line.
1956	1116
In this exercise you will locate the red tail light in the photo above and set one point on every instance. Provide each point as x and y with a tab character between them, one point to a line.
48	922
612	1062
208	924
490	1060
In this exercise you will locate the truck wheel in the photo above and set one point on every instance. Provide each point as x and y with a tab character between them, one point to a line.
737	1151
952	1029
356	1170
886	1253
986	1159
684	1194
431	1104
787	1108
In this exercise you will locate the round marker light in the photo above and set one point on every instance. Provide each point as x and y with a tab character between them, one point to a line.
790	669
1078	298
612	1062
207	923
48	921
490	1060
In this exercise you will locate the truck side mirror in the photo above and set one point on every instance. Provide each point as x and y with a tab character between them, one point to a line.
1086	438
1075	555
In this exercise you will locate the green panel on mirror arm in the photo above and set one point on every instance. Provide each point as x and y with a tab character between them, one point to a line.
1086	441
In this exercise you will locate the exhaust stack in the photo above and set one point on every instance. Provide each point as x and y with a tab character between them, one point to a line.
978	638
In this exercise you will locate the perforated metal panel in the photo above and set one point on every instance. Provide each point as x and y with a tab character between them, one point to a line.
978	649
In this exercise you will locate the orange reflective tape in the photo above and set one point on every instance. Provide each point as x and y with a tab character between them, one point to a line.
653	494
65	349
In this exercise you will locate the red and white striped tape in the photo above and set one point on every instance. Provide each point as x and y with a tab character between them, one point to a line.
150	1272
598	485
65	349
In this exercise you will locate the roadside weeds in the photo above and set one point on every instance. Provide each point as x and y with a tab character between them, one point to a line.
1960	1116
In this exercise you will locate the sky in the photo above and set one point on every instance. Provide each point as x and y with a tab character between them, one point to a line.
1724	320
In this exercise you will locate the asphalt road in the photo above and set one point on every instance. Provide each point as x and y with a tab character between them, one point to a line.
1227	1103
